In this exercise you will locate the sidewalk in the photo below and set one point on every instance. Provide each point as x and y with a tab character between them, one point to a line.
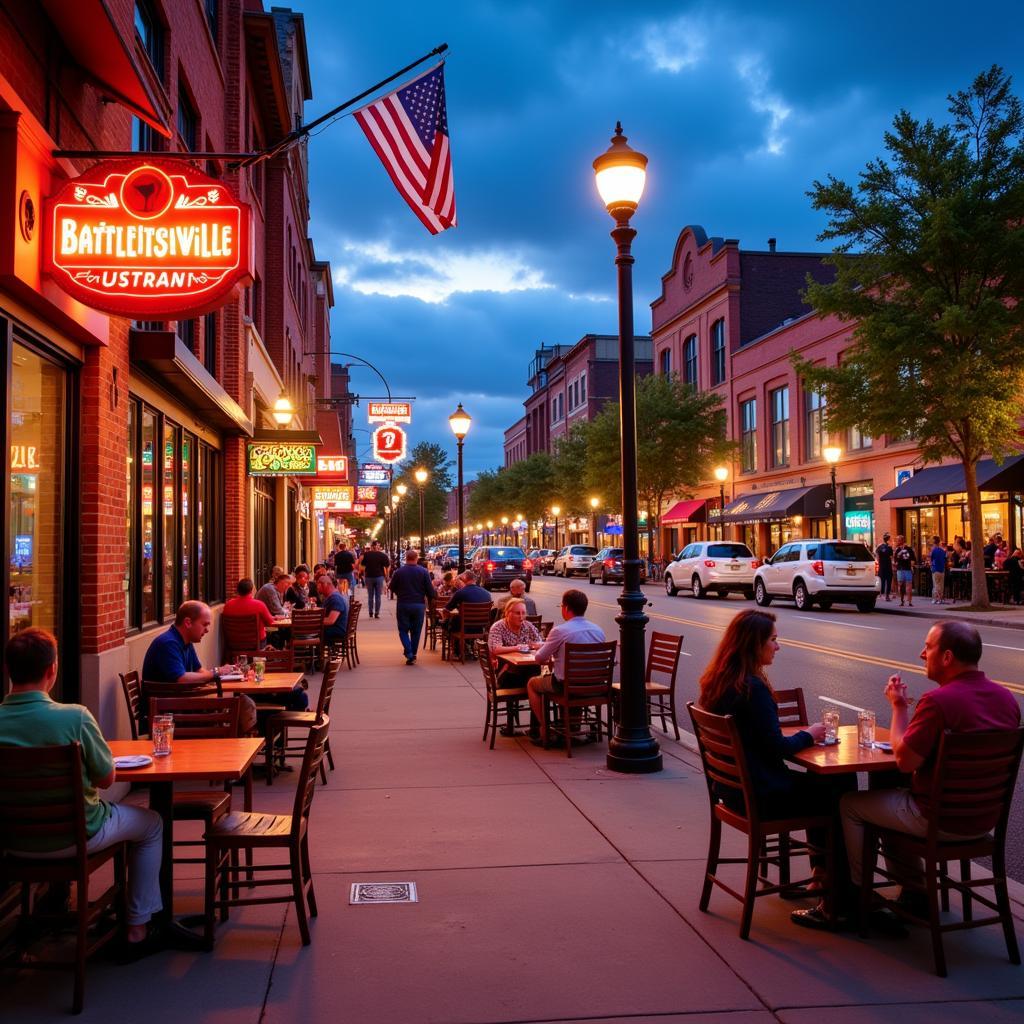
1007	615
549	890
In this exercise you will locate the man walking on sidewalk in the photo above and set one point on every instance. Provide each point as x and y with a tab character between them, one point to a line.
884	555
411	586
937	559
375	565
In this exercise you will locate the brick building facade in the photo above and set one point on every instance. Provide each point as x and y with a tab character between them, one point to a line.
128	490
729	321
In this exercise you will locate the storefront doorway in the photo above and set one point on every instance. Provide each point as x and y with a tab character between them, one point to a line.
42	560
264	533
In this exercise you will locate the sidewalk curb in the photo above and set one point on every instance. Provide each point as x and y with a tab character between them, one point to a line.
946	612
1015	889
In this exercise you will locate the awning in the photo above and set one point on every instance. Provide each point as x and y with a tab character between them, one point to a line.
776	505
949	479
695	511
179	371
93	39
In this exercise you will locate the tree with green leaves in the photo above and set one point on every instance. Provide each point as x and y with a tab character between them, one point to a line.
680	436
930	268
490	498
437	462
530	485
569	462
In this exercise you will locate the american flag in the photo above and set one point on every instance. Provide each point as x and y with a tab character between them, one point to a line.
408	128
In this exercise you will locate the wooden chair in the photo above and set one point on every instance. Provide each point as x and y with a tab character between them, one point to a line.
792	709
433	628
472	622
131	687
728	779
151	690
277	660
351	646
307	643
586	686
239	633
975	776
536	620
278	748
662	657
43	803
500	699
252	831
198	718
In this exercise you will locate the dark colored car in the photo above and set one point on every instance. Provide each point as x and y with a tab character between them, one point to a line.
607	567
543	560
499	566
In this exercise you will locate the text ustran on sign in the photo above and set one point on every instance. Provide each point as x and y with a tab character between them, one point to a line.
148	240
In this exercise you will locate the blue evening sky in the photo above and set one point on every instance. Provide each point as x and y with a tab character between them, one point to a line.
739	106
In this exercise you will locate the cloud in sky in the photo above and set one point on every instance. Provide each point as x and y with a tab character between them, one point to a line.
739	106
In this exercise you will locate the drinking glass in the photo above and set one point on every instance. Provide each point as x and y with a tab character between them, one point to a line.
866	728
830	719
242	662
260	667
162	732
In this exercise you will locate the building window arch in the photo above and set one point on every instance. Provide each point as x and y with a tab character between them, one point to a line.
718	352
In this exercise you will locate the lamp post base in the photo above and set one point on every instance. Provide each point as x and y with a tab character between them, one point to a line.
634	759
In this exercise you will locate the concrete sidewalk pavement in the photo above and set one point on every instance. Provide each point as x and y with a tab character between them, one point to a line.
550	889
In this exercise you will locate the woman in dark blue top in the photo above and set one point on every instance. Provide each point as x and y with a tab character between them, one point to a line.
735	683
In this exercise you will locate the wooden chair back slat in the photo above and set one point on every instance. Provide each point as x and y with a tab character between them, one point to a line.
588	671
975	777
352	624
663	656
791	706
240	633
44	801
476	614
323	703
306	784
490	673
535	619
132	689
200	718
725	761
282	660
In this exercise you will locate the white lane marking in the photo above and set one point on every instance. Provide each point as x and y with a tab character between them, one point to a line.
1002	648
835	622
832	700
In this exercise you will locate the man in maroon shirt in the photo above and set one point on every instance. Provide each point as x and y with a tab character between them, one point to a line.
245	604
966	700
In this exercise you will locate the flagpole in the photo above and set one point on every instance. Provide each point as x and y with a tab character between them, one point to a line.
307	128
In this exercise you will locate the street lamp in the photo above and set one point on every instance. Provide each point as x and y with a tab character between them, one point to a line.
422	476
620	174
487	536
459	422
832	456
504	529
721	475
387	528
594	502
555	509
402	490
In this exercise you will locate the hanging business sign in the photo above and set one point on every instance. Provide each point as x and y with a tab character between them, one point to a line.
281	459
374	473
364	508
389	443
332	465
332	499
148	239
366	493
389	412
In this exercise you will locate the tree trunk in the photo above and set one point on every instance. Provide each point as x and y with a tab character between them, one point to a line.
979	584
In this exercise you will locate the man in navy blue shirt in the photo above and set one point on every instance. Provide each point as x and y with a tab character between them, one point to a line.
335	606
171	657
411	586
469	590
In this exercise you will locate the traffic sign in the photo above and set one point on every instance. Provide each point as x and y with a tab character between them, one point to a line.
389	443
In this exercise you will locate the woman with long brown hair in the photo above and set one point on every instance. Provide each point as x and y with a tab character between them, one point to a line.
735	683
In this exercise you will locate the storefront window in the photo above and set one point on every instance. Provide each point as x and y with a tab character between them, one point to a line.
37	430
167	504
187	448
130	462
148	520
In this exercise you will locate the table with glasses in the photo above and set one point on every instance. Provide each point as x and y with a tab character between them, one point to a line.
273	683
211	760
846	755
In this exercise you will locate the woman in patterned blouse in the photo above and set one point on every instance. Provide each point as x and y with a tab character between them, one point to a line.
512	631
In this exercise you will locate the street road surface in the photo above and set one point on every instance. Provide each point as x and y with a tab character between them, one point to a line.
840	654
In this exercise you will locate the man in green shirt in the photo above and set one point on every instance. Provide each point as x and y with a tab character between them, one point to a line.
29	717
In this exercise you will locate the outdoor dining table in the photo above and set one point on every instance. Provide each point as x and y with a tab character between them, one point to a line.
212	760
846	755
273	682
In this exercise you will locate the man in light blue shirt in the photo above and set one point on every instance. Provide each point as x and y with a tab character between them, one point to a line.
576	629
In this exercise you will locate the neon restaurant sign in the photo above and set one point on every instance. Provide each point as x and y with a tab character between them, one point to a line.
281	460
148	240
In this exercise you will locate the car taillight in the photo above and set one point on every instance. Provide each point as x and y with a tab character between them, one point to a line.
610	562
527	564
755	564
818	568
709	563
876	566
489	567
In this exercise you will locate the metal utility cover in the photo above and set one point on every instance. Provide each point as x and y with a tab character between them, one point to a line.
383	892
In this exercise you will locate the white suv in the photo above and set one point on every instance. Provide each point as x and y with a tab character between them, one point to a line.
575	558
712	565
820	572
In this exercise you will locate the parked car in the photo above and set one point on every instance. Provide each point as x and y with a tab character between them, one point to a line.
574	559
712	566
821	572
607	567
499	566
543	560
449	558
